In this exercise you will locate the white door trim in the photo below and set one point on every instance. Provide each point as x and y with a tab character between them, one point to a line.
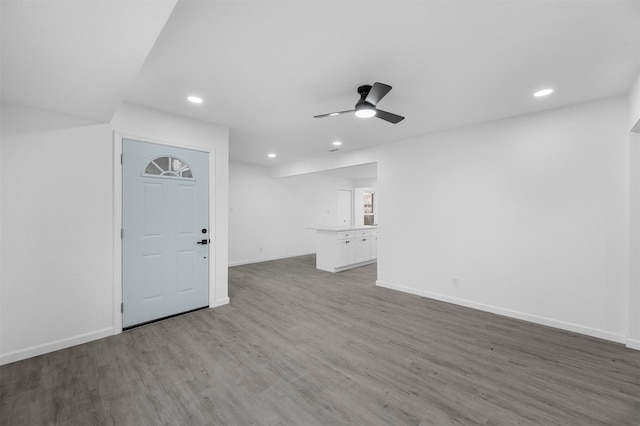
214	301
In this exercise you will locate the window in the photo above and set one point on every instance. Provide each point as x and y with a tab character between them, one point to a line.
369	217
168	166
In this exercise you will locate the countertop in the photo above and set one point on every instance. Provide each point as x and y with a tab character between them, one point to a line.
344	228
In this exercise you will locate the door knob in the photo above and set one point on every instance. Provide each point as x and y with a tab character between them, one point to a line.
203	242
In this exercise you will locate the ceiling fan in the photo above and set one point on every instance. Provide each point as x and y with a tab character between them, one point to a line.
366	106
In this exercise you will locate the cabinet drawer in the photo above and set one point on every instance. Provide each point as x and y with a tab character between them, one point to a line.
345	234
363	232
374	232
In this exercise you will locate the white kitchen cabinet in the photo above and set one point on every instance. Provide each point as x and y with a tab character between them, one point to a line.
341	248
346	252
363	248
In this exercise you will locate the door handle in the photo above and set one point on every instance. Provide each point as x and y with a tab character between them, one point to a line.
203	242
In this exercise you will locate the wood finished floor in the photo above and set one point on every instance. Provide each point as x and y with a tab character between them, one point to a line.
298	346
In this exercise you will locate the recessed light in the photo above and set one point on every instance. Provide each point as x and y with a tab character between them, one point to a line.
195	99
337	143
543	92
271	155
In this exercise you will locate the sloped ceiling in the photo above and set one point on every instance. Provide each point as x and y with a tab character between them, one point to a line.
76	57
265	68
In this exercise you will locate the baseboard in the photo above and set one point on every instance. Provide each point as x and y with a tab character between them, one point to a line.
220	302
633	344
576	328
268	258
54	346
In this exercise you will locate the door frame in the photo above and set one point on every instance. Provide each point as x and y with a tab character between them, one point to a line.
117	222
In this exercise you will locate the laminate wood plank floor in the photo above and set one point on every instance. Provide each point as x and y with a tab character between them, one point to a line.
298	346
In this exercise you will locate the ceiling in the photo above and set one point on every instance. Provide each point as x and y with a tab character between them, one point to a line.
70	57
265	68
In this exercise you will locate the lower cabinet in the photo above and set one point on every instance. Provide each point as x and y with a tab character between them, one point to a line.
345	252
363	249
341	250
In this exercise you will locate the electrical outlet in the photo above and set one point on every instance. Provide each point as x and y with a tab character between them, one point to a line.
455	282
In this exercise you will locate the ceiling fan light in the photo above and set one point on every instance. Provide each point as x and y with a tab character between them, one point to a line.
543	92
365	112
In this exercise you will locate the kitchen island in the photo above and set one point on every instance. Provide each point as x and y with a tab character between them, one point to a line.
344	247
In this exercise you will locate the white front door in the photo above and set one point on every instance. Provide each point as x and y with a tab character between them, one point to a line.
165	241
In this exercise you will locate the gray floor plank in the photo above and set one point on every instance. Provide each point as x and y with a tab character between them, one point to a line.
306	347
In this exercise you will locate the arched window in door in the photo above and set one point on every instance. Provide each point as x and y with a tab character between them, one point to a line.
168	166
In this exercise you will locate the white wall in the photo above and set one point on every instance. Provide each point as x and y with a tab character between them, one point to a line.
530	213
56	261
60	220
336	160
270	217
365	183
145	124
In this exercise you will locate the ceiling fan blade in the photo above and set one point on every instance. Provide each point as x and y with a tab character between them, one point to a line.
377	92
387	116
331	114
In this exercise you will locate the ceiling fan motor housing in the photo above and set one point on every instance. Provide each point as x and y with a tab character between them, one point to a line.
362	104
364	90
